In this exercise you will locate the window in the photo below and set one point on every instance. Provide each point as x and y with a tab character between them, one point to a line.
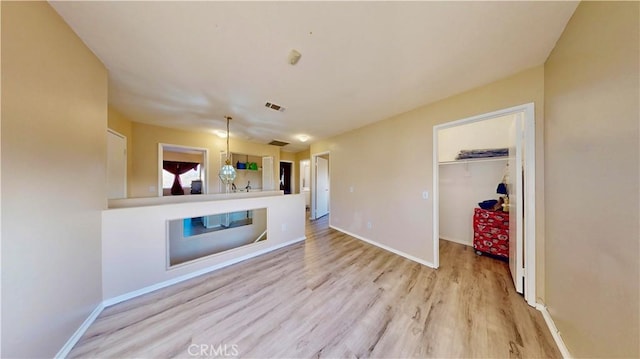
185	178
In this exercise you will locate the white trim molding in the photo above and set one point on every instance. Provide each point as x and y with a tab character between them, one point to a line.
136	293
557	337
455	240
385	247
73	340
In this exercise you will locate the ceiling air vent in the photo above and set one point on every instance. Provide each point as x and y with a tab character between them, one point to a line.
278	143
273	106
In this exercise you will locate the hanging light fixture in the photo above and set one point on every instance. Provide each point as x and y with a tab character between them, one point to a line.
227	172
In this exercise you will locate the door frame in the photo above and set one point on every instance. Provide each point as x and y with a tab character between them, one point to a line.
529	220
314	184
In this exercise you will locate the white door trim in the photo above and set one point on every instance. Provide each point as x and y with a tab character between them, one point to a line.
516	206
313	181
116	133
529	191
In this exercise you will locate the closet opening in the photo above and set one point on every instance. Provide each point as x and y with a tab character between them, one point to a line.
484	189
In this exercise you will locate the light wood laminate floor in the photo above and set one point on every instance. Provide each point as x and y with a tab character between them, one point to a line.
331	296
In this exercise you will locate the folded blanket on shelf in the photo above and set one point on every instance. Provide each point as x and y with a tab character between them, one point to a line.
483	153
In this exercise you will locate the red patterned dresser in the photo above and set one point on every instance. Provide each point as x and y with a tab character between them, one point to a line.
491	232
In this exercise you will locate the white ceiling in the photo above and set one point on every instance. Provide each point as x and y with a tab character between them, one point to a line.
188	64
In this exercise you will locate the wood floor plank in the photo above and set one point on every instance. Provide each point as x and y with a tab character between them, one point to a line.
331	296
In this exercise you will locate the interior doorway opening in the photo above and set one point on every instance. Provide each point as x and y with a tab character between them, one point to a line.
286	177
321	185
518	176
182	170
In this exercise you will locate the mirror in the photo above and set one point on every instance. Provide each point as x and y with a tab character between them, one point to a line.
190	239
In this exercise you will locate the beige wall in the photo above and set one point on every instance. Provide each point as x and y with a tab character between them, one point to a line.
182	157
389	164
145	155
287	156
591	115
54	123
121	124
303	155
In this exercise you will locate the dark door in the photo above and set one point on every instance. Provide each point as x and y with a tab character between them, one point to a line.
285	177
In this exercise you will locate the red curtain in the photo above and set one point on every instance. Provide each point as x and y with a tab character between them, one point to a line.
178	168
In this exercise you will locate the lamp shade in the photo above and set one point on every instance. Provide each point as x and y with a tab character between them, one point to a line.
502	189
227	174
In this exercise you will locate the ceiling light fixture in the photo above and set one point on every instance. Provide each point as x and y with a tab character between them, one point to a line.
303	138
227	172
220	133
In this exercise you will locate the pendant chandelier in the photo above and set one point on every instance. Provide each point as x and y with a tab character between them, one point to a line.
227	172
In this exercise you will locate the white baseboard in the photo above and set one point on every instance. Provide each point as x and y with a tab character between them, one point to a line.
386	248
554	331
136	293
121	298
66	348
454	240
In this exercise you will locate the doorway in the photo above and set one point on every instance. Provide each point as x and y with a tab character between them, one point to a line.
182	170
521	204
321	186
305	182
286	177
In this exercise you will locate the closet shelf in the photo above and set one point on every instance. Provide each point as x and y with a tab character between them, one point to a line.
474	160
